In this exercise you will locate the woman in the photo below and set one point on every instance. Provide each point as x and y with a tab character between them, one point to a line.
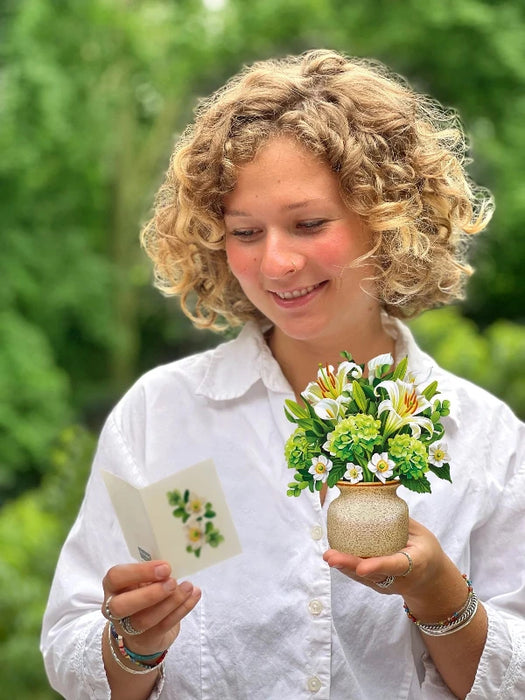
315	200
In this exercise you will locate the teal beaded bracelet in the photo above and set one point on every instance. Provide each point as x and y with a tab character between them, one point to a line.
137	659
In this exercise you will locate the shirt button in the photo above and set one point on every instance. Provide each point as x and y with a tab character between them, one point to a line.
314	684
316	532
315	607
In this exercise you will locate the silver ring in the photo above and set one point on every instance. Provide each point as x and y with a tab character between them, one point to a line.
385	583
107	612
410	562
128	628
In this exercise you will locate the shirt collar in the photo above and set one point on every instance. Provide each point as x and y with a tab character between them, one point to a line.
235	366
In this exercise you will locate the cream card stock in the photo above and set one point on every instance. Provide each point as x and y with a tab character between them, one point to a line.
183	519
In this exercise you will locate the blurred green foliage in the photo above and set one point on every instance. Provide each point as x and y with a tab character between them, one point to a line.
493	358
91	95
32	529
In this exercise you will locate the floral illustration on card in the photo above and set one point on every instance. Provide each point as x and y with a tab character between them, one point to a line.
197	516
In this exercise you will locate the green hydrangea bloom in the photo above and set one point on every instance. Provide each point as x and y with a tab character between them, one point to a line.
354	437
409	455
297	450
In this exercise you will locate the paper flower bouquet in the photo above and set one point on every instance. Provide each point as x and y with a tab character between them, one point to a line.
378	428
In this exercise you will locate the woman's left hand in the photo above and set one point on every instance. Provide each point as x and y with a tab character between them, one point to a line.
424	551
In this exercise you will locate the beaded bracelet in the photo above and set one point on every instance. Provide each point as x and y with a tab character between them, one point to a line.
459	619
158	656
144	668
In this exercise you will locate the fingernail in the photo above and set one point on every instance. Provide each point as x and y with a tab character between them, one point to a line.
186	587
162	570
170	584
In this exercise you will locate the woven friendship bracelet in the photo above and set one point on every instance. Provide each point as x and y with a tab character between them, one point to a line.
141	668
459	619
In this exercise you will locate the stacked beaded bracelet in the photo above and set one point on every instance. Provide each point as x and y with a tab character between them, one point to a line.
135	659
459	619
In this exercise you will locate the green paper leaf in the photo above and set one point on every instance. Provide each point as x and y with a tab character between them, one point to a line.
369	391
430	391
359	396
295	409
289	416
421	485
441	472
400	370
332	479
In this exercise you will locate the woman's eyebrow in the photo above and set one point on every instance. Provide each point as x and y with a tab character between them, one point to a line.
286	207
235	212
300	205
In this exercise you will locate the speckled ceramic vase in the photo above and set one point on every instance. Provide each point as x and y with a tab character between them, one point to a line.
368	519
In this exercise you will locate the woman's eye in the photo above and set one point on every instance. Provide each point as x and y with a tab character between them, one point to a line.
244	232
312	225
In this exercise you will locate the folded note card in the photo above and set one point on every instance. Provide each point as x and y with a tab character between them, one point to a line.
183	519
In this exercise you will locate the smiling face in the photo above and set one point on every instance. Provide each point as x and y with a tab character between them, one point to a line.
290	240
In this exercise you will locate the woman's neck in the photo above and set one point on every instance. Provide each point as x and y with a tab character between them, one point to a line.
299	359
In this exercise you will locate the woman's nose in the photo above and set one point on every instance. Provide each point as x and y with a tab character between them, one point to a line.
279	258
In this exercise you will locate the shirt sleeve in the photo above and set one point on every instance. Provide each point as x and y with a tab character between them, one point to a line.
498	566
71	641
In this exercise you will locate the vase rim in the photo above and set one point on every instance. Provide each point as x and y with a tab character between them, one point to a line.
394	482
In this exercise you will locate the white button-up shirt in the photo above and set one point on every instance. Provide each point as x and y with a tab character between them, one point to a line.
275	623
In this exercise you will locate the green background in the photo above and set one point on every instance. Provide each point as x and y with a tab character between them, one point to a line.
92	94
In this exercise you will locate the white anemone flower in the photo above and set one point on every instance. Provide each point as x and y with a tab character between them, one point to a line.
381	466
195	505
353	473
320	468
437	454
376	363
194	534
404	403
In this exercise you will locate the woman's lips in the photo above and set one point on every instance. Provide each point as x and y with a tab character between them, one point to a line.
297	296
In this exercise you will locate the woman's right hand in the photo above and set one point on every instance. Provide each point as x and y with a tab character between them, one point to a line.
153	601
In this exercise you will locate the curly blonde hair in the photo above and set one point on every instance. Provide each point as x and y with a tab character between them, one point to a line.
400	158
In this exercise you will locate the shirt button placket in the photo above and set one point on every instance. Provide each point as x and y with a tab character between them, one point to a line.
320	621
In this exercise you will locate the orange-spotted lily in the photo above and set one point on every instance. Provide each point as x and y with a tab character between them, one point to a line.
404	404
326	393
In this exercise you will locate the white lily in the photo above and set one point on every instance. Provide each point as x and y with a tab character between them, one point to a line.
377	362
404	403
332	383
328	409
